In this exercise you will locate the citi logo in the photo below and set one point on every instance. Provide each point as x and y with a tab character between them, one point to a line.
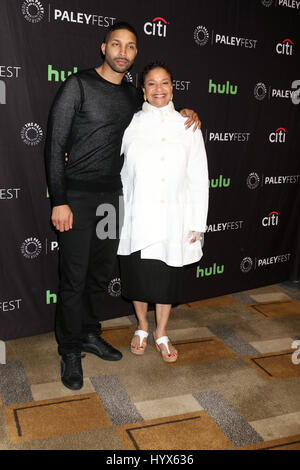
271	219
222	88
285	47
59	76
2	92
278	136
220	182
156	27
211	271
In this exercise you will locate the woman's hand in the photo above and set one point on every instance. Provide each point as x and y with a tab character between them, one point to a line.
195	236
192	118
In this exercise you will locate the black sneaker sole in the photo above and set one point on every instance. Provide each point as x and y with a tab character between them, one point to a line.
72	387
90	350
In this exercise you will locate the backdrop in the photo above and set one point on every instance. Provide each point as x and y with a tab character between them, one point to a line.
236	62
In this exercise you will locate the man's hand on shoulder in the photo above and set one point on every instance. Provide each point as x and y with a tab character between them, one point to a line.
62	218
193	118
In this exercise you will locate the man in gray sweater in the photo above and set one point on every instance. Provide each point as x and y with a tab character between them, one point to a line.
87	120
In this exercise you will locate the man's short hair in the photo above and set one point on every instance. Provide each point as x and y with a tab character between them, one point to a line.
119	25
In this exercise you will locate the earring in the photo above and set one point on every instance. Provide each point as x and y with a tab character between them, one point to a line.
145	99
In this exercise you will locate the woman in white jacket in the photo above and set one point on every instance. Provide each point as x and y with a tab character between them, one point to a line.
165	184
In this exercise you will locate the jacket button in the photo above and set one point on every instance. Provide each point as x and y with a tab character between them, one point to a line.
162	159
163	139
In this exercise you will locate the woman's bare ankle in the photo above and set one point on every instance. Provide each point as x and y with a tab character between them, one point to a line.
143	326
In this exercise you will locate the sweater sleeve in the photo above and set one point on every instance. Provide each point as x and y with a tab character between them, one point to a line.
62	113
197	184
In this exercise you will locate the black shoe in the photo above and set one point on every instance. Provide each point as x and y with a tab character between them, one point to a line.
92	343
71	371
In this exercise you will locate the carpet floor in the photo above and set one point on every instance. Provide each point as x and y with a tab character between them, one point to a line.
236	384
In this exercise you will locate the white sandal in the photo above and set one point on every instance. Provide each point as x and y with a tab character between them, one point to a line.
142	335
166	357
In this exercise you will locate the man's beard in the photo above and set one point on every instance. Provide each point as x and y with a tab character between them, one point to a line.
115	67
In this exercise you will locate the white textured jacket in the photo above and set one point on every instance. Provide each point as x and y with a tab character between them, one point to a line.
165	184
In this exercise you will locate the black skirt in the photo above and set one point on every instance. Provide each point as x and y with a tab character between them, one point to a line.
150	280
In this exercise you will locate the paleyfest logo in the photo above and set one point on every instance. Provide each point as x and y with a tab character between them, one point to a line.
33	10
114	287
247	263
253	180
156	27
261	91
282	3
201	35
128	77
31	133
31	248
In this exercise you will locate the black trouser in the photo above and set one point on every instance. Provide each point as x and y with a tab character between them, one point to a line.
86	264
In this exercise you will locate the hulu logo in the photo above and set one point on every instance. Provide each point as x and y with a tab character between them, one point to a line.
222	89
220	182
50	298
59	76
211	271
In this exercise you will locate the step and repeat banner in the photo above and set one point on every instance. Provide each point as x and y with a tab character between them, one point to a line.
236	62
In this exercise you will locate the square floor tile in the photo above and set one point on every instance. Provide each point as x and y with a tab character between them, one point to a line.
272	345
201	350
57	389
223	301
119	336
190	431
271	297
275	366
287	443
38	420
120	321
169	406
277	309
278	427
